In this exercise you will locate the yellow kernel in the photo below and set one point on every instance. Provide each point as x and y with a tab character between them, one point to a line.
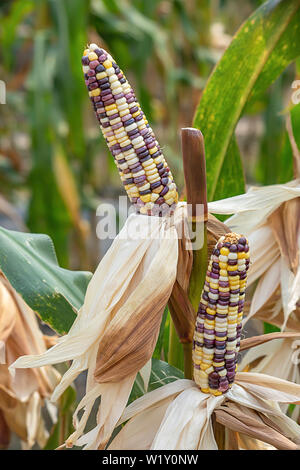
224	251
211	312
137	113
223	272
205	390
214	286
101	75
216	393
208	356
146	198
159	189
107	64
110	107
95	92
197	361
224	289
223	265
232	268
203	366
224	311
92	56
153	150
241	255
154	197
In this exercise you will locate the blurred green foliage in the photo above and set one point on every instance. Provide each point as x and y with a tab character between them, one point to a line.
167	48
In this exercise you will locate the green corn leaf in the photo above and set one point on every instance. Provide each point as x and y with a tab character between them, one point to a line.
161	374
295	120
30	264
259	52
64	426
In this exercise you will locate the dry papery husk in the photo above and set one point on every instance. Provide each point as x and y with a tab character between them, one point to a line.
21	394
178	416
276	354
269	217
272	312
115	332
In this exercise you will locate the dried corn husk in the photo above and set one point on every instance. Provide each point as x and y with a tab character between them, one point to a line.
269	216
178	415
116	329
21	395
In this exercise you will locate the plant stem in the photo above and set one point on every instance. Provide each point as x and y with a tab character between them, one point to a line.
195	181
175	354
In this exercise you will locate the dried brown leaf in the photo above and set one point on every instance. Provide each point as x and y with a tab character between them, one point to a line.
256	340
4	432
250	422
285	224
132	333
272	312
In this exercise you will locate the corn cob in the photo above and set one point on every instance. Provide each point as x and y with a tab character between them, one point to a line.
143	170
219	318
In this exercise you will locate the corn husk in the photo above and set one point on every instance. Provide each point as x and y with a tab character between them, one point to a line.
22	394
178	416
115	332
278	358
269	216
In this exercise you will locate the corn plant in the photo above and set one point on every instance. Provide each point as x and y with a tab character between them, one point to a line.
153	297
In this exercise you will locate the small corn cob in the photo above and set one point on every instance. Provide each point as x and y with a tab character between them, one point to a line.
141	164
219	318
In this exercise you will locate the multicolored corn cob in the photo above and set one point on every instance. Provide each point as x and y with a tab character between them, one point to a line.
219	318
141	164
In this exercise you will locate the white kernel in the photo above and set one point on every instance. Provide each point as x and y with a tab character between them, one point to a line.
113	78
93	47
110	71
145	187
139	173
131	127
120	101
137	140
213	296
116	91
123	166
115	84
125	143
132	161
